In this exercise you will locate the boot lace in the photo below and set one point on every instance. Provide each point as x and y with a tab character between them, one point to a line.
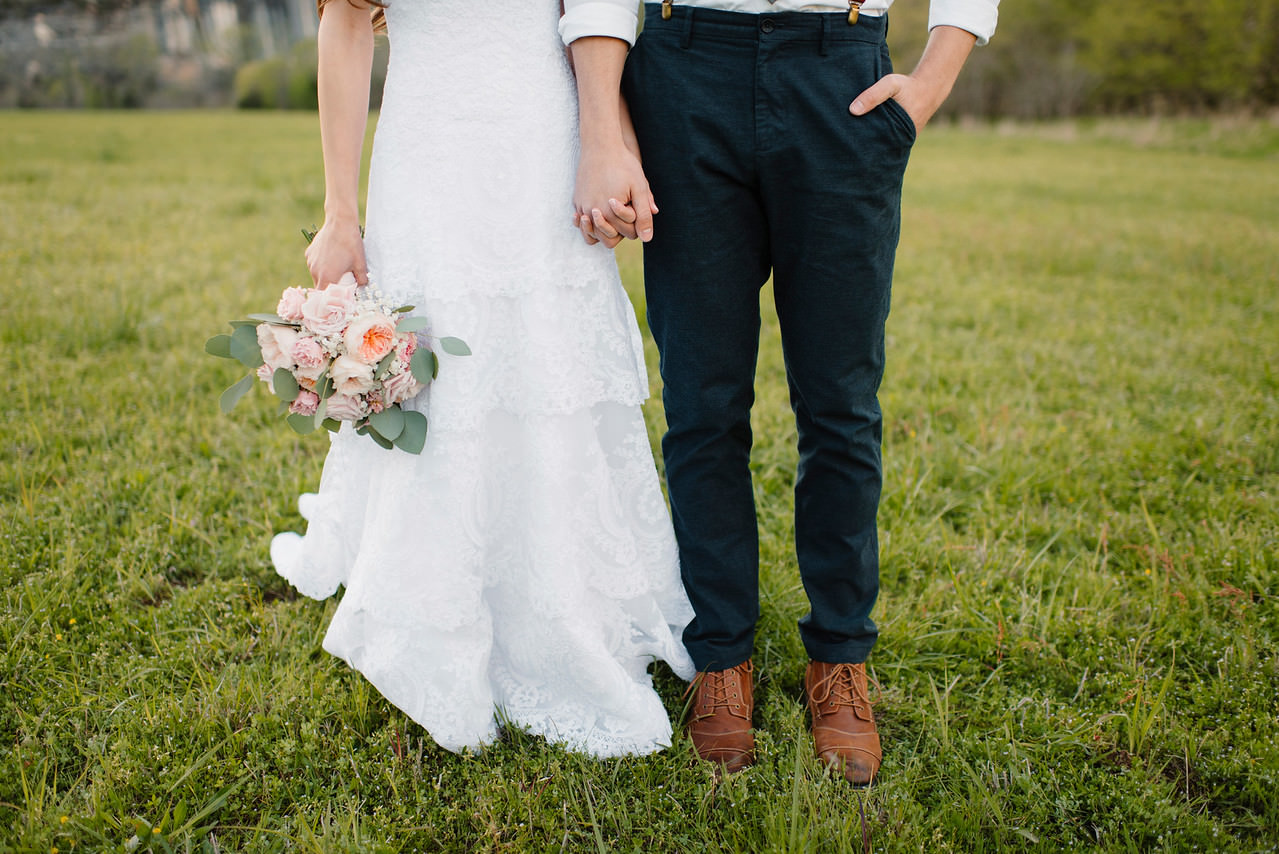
840	688
716	694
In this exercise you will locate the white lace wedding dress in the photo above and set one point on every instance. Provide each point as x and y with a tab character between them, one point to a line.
523	567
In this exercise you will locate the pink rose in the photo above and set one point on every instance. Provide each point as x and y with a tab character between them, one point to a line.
369	338
290	307
345	408
306	403
309	357
351	376
267	375
277	344
400	387
325	311
408	346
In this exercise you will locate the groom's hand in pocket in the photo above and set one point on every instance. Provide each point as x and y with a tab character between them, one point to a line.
923	91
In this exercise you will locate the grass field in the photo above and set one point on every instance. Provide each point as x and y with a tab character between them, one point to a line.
1080	524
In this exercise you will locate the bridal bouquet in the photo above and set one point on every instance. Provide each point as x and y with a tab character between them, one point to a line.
338	354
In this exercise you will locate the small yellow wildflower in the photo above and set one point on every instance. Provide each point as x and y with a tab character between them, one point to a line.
58	636
65	819
71	622
155	830
1147	570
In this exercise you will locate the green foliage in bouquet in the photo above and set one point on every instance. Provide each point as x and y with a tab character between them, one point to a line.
392	427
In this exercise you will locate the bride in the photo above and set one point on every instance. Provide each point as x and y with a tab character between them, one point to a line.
522	569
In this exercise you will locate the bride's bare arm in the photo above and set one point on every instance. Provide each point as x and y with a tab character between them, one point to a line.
609	171
345	62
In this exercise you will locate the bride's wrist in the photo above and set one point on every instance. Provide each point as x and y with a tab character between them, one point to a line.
341	217
600	132
603	143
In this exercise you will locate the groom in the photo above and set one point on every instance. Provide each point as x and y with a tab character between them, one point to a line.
775	137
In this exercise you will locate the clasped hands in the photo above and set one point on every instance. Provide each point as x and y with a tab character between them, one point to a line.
612	200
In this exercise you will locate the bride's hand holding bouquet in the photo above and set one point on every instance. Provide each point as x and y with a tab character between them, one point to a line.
337	248
338	352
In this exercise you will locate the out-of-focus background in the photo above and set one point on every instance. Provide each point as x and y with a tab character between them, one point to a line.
1079	530
253	54
1050	59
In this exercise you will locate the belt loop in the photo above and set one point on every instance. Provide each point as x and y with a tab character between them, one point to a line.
686	34
825	43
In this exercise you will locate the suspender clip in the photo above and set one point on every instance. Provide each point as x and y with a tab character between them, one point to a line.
854	9
666	9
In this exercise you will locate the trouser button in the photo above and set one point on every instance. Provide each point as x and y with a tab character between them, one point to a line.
767	26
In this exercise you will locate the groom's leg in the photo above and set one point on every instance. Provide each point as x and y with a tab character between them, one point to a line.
832	188
693	110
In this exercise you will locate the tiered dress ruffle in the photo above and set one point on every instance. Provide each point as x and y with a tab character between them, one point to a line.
523	567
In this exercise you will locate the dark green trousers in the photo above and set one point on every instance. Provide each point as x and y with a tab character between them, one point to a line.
759	169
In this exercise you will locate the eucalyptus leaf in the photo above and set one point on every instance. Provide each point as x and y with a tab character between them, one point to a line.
332	425
301	424
412	324
325	386
455	346
283	407
384	366
274	320
244	346
286	387
402	309
413	437
236	324
423	365
389	422
220	346
321	414
380	439
232	396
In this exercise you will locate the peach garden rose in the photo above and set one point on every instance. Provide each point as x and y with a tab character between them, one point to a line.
369	338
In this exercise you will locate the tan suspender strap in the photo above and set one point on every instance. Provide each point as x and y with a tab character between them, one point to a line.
666	9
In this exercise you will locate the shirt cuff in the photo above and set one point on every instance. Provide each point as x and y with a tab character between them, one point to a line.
599	18
976	16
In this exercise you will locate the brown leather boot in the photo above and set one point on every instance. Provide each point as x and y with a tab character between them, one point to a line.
720	722
844	731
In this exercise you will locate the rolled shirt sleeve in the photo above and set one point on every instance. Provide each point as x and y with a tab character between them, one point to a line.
976	16
616	18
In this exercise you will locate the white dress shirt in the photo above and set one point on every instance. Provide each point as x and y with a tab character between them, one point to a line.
620	18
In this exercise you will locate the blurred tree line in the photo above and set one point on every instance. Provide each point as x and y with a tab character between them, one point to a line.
1050	58
1054	58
